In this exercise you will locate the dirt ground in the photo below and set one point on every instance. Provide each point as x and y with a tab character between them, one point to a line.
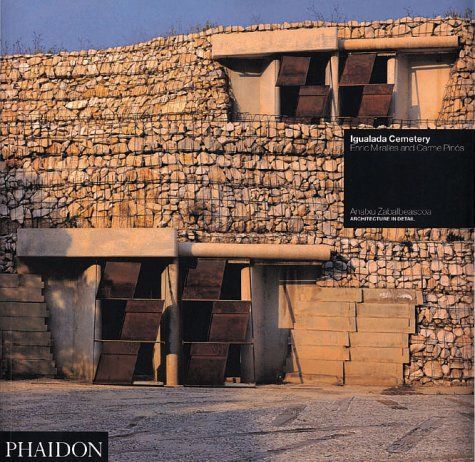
269	423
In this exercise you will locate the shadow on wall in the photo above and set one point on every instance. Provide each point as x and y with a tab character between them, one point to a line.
70	296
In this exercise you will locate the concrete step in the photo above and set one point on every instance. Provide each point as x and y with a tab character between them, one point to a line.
409	296
301	337
402	325
377	339
326	323
328	294
346	309
373	373
384	355
23	309
27	352
24	324
312	379
21	294
386	310
330	353
27	338
29	367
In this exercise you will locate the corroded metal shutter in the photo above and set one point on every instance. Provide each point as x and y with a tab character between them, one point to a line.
293	71
119	280
312	101
229	321
358	69
142	320
207	363
376	100
205	280
117	363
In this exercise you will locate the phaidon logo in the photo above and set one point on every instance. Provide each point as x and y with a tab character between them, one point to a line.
54	446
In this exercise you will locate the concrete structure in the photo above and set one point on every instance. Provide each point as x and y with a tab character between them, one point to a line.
182	150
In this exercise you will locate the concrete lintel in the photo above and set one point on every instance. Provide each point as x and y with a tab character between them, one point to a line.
262	43
96	242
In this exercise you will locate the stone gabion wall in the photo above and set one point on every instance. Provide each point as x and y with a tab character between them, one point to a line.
139	136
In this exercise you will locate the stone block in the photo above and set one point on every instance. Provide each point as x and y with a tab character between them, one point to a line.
330	353
324	309
378	354
27	352
385	310
329	294
382	325
406	296
27	338
318	367
31	280
378	339
9	280
339	324
301	337
313	379
22	309
373	373
24	324
21	294
31	367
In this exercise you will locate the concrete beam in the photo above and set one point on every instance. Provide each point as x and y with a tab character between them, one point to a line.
96	242
262	43
257	251
400	43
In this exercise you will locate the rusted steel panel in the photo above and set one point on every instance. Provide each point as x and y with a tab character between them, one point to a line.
204	282
119	280
312	101
229	321
117	363
376	100
293	71
207	364
142	320
358	68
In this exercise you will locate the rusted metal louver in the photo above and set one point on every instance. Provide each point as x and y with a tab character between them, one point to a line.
204	281
119	280
312	101
142	320
293	71
117	363
376	100
207	364
229	321
358	69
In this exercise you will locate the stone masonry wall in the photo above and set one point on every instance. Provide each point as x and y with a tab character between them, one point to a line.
139	136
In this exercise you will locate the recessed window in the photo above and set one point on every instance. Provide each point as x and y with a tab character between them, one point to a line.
365	94
303	92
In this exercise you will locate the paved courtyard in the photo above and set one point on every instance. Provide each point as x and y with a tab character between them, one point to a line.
271	423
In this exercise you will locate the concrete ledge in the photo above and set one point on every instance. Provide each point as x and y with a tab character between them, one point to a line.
96	242
261	43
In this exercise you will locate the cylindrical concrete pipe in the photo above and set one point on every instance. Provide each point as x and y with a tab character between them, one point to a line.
295	252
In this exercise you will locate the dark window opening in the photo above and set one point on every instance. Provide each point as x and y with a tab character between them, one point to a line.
380	70
288	101
350	100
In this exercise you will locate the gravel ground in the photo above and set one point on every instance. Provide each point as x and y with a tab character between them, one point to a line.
270	423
